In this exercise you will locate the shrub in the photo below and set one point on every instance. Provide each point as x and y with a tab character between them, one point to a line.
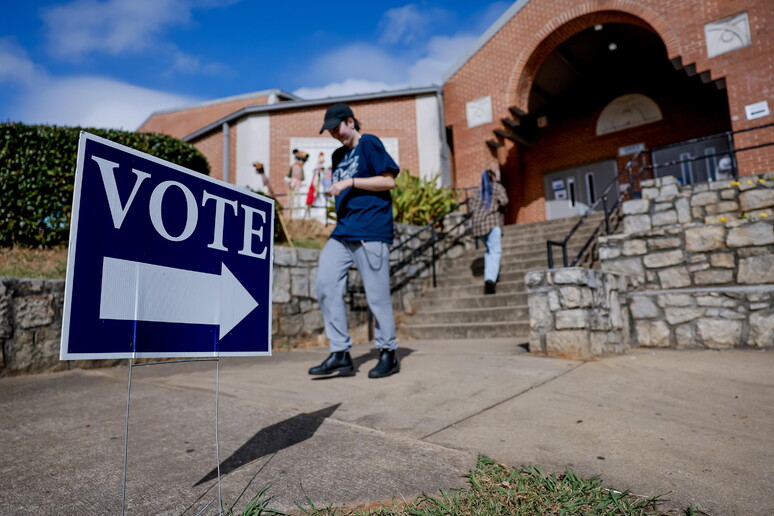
417	201
37	176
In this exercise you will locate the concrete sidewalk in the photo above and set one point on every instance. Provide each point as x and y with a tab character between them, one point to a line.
695	425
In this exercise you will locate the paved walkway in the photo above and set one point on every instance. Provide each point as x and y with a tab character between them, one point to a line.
698	425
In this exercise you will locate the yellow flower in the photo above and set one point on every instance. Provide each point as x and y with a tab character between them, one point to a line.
761	180
764	214
723	219
736	183
749	182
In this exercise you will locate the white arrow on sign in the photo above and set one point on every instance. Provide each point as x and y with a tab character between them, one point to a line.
135	291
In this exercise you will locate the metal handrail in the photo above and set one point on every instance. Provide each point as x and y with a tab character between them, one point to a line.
715	136
635	177
606	221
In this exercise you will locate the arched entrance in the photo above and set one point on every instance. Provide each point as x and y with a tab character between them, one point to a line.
600	87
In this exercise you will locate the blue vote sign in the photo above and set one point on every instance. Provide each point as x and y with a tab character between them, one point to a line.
164	261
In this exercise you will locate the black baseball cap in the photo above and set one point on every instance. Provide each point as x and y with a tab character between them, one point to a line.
334	115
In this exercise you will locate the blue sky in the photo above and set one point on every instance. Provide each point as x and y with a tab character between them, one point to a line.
110	63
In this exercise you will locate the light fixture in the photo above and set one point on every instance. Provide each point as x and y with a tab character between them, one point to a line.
612	46
598	27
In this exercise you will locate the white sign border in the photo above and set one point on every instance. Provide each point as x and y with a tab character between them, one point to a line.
64	354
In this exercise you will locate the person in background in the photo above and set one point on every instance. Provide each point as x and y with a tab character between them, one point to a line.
265	187
314	185
487	205
295	179
363	175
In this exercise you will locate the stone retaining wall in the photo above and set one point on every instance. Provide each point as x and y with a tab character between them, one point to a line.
665	202
714	318
701	260
740	251
577	313
699	269
31	309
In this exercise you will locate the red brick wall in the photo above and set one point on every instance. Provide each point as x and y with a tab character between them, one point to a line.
183	122
505	66
211	146
391	118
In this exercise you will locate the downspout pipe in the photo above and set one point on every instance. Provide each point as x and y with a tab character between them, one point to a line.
226	152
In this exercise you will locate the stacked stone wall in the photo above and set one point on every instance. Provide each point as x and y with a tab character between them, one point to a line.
31	309
701	263
577	313
714	318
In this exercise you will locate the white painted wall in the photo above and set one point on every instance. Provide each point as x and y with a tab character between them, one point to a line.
253	144
429	142
314	146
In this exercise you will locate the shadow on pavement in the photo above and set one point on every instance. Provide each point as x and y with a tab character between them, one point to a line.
272	439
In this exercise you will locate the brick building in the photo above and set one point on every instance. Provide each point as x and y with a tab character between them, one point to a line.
562	93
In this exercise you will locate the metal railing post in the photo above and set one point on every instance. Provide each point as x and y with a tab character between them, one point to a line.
432	235
732	152
550	247
564	253
607	214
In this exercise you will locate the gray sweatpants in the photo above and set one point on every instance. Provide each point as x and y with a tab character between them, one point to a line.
372	260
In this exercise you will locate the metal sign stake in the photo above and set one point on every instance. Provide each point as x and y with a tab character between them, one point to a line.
217	441
132	365
126	436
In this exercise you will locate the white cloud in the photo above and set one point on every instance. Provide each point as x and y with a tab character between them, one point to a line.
15	66
188	64
365	68
442	53
361	61
409	24
347	87
115	27
112	27
93	102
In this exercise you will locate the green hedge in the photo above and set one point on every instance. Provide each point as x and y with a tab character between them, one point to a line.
37	175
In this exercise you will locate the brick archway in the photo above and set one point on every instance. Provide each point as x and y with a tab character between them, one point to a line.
571	22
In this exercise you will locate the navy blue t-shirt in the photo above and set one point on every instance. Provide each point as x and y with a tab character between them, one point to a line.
362	214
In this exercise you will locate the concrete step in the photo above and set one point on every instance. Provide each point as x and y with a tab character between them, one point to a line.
540	240
503	287
500	299
474	264
517	313
483	330
470	278
552	226
538	247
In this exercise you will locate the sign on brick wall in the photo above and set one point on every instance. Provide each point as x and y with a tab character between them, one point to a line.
164	261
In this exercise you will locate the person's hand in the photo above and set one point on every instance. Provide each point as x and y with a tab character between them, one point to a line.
339	186
495	168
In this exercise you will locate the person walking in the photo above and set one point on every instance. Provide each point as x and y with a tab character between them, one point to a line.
487	205
363	175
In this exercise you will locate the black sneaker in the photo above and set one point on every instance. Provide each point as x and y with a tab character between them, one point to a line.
489	287
388	364
337	362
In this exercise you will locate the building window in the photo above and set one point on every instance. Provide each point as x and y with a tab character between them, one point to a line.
626	112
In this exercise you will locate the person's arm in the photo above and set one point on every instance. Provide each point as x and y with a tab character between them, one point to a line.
382	182
502	196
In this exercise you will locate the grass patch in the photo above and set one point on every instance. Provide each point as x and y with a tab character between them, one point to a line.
497	490
21	262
